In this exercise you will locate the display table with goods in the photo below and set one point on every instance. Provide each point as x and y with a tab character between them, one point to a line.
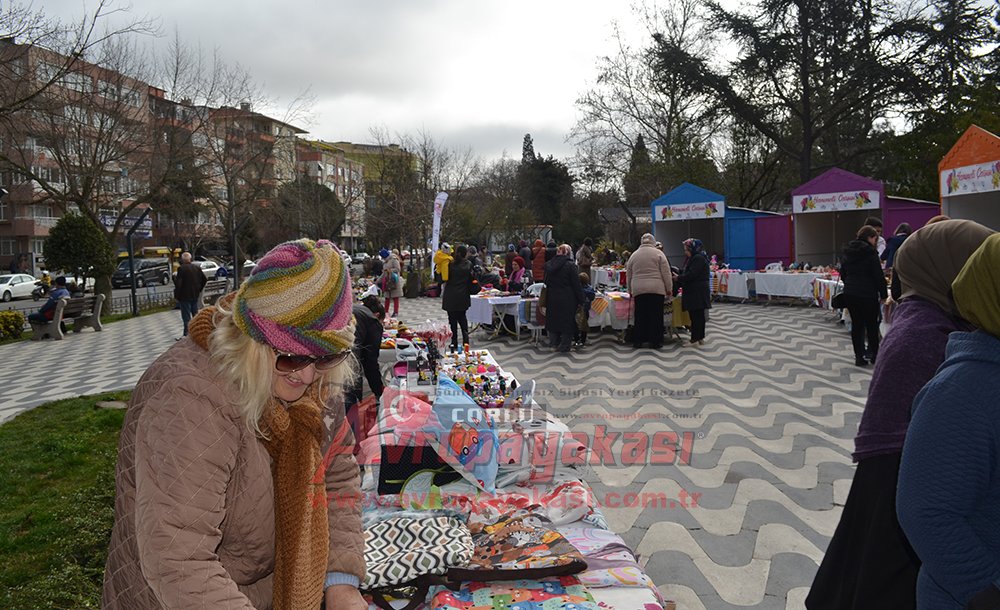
613	308
472	498
609	277
791	284
731	283
489	302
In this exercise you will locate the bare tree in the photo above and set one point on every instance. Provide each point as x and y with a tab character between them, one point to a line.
630	98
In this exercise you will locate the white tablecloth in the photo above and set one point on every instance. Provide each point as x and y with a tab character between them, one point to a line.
482	308
795	285
732	284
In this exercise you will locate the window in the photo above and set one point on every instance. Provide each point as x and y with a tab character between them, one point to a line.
40	210
7	246
3	209
77	82
38	245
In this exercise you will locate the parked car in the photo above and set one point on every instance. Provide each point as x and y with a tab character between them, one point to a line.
16	286
347	259
361	257
147	271
245	271
209	268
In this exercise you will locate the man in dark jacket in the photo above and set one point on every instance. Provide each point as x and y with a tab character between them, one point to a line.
188	284
457	296
563	294
864	287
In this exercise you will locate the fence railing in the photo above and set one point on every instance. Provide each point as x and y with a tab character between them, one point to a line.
146	301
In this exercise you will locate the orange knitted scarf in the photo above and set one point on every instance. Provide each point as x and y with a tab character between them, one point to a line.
301	526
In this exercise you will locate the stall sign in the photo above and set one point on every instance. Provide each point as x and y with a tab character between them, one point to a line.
981	178
690	211
835	202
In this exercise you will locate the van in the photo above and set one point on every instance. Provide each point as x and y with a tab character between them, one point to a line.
147	271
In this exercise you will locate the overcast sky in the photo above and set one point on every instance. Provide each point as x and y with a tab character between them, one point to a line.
471	73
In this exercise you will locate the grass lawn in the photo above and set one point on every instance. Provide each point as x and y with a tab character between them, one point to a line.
57	492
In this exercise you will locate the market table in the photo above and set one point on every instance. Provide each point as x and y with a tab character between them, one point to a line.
794	285
733	284
482	309
530	478
824	290
610	277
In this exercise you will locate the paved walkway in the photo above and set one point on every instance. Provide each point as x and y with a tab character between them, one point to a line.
771	405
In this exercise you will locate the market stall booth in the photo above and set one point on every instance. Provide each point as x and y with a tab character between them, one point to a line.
774	240
914	212
689	211
970	178
829	210
741	236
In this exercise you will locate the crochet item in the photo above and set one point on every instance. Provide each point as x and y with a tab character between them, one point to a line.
298	300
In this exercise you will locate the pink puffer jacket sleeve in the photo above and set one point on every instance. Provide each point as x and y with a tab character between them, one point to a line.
185	451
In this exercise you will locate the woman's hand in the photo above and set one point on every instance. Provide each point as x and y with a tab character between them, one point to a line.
344	597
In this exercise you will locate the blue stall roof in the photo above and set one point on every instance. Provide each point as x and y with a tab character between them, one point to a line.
687	193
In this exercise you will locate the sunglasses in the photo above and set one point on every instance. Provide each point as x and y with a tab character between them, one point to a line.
290	363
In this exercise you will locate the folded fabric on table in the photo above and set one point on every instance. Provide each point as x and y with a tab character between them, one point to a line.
562	593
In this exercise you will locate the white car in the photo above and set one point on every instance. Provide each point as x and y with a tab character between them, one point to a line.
209	268
347	258
16	286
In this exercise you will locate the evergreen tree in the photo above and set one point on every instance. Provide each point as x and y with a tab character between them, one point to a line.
76	245
527	150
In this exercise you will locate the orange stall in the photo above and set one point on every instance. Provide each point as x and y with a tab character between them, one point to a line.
970	178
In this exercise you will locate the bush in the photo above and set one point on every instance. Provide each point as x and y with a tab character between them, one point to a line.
11	324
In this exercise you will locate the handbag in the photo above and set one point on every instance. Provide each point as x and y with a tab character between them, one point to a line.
405	552
521	545
839	301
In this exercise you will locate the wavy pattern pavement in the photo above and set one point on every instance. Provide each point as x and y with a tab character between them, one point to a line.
771	404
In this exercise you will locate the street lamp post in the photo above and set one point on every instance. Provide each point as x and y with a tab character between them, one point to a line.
131	257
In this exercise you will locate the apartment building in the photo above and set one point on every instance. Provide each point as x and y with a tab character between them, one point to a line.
326	164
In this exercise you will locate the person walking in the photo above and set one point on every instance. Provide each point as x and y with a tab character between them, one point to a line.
538	261
869	562
948	496
864	288
368	316
188	284
563	295
585	257
649	282
550	250
695	279
457	296
235	483
524	251
392	283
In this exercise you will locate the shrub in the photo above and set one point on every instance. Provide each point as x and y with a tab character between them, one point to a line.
11	324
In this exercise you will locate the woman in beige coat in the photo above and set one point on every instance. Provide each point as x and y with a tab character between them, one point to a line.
236	486
649	283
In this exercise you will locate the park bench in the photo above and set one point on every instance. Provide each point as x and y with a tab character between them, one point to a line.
213	290
83	311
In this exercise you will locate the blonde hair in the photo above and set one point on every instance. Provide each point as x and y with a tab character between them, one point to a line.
249	367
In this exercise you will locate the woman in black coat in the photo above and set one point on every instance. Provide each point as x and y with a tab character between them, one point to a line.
864	288
695	278
457	292
368	316
563	294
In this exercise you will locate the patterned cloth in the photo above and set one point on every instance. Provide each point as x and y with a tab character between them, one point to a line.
563	593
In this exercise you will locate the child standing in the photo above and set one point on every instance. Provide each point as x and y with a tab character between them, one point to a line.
583	313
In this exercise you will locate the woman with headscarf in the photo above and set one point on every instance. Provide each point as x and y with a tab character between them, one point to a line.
564	295
869	563
864	288
649	283
516	282
585	257
694	280
509	259
948	500
538	261
235	485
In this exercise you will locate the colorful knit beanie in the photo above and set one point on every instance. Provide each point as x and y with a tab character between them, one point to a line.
298	300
